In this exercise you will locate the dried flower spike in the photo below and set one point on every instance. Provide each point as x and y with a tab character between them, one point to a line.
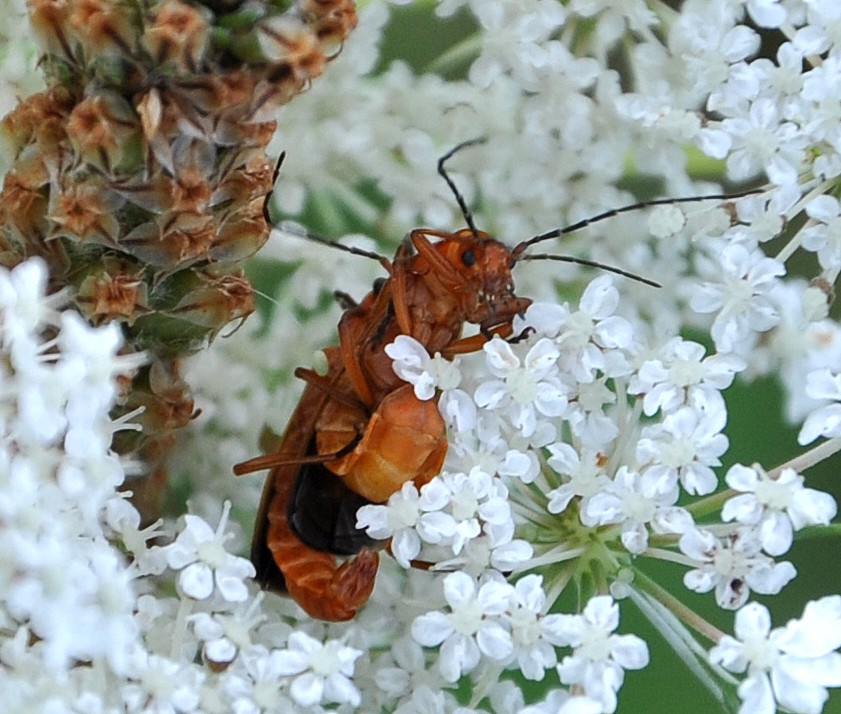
139	174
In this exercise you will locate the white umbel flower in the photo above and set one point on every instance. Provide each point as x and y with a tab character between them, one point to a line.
788	667
776	507
199	553
321	672
738	294
599	658
732	566
471	629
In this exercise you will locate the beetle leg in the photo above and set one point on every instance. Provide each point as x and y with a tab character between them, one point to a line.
474	343
525	333
350	358
328	386
399	299
270	461
346	302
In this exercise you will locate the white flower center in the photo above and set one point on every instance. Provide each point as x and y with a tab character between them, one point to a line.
685	373
593	396
266	694
238	631
773	494
679	452
521	386
464	505
586	483
403	514
740	296
761	653
730	563
159	684
467	618
213	553
445	373
595	646
761	142
579	330
524	627
326	661
638	508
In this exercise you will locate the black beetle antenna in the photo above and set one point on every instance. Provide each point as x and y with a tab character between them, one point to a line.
462	204
301	232
266	217
297	230
520	248
591	264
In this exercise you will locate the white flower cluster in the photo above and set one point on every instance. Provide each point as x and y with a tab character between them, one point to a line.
507	623
597	438
85	624
65	594
568	387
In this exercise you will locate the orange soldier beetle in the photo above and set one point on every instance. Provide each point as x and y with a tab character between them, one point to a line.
359	433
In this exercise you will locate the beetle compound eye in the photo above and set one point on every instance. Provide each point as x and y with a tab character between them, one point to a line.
468	258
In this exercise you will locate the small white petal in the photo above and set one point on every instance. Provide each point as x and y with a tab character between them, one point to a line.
630	651
494	641
459	588
432	629
196	581
756	695
307	689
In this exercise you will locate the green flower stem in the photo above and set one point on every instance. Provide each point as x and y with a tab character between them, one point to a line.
814	456
685	614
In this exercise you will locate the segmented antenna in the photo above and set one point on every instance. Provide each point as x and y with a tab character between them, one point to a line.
590	264
462	204
296	230
566	230
266	217
518	252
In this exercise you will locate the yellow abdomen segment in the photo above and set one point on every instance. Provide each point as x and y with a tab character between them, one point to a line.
404	440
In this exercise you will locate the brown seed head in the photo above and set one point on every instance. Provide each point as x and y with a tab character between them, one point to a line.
241	234
245	183
171	241
190	191
330	20
286	41
178	35
188	238
22	207
86	213
100	127
48	19
38	121
115	298
170	405
114	292
103	27
221	300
